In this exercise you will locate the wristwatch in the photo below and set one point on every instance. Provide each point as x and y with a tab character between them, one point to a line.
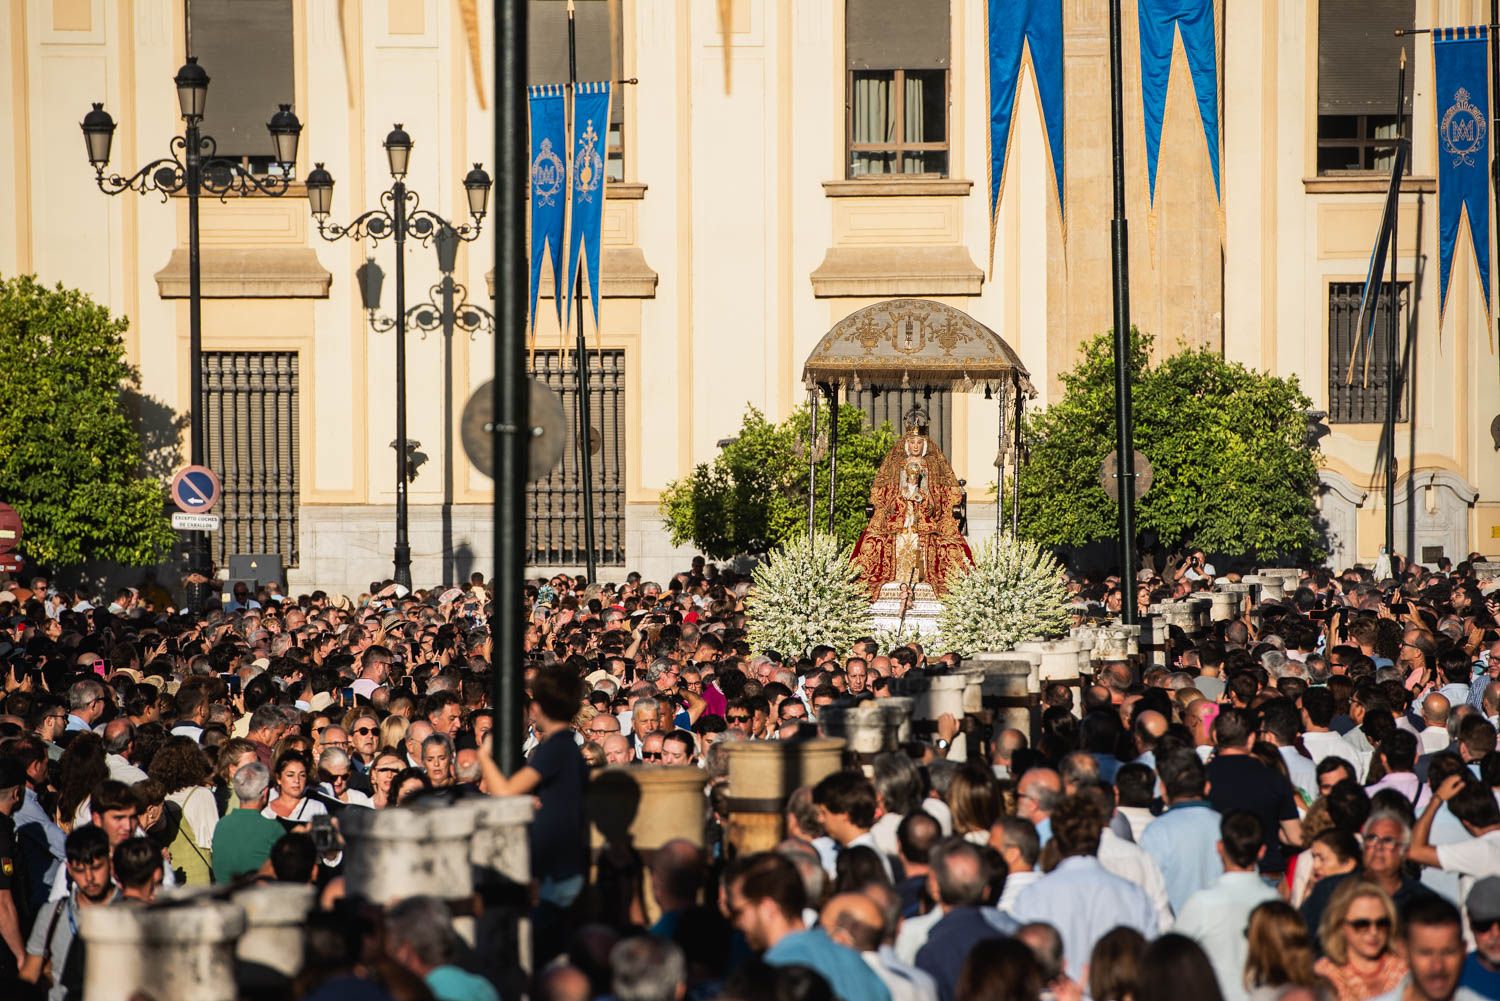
941	744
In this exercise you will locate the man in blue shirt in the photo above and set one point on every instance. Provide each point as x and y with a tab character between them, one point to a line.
1183	840
765	898
957	879
1482	966
419	935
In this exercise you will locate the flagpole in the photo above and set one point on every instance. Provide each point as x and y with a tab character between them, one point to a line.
1392	377
581	347
1120	246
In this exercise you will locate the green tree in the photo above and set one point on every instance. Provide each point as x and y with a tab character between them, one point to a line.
69	457
752	497
1233	472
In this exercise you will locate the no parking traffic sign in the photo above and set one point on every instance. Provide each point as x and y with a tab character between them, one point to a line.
195	489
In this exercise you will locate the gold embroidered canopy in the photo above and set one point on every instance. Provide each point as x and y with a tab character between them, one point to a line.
901	343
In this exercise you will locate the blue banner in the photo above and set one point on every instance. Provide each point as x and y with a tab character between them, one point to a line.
586	227
1161	21
1024	31
549	189
1461	70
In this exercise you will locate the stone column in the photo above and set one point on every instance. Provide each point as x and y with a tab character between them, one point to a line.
393	854
1272	588
173	951
1011	690
762	774
1225	605
867	728
270	952
645	807
1061	660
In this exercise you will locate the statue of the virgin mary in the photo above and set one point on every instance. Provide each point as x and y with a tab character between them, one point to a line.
912	538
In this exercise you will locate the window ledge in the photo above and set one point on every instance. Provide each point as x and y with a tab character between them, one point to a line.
625	191
254	273
624	274
896	187
897	271
1366	184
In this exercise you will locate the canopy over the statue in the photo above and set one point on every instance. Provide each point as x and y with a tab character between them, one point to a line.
901	343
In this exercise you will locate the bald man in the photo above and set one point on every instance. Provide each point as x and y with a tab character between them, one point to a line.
1434	736
906	982
855	921
1147	730
1006	745
1199	718
957	878
618	750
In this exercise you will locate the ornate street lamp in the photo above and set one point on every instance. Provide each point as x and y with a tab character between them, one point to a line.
193	166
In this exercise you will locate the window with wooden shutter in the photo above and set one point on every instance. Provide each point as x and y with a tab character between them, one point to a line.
897	60
1358	53
245	46
601	56
1359	397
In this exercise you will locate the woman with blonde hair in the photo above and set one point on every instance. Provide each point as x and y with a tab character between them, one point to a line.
393	731
1358	933
1279	952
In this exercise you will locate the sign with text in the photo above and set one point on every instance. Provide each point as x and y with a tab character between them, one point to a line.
184	522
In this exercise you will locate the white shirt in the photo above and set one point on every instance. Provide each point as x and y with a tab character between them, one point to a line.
1014	884
913	934
1303	773
1434	739
904	981
1327	744
884	833
307	809
867	840
122	770
1138	817
1473	860
364	687
1216	917
353	797
1129	860
1084	901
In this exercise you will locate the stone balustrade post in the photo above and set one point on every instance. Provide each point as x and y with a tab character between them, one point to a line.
176	950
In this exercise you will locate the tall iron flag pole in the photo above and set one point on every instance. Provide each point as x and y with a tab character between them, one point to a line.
512	428
1120	247
1392	376
581	349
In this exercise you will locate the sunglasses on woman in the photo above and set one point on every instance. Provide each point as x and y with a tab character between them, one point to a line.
1362	925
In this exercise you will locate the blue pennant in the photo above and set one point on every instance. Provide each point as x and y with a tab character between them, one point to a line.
586	227
1161	20
1461	66
549	189
1016	27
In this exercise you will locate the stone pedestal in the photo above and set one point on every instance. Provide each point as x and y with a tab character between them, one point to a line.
1272	588
498	847
645	807
1224	605
1011	689
762	774
1117	641
867	728
179	951
270	952
1061	660
404	851
1154	637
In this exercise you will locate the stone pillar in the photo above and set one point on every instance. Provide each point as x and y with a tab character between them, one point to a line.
1011	690
170	952
1224	605
1272	588
897	712
1061	660
1202	605
393	854
762	774
1117	642
500	860
645	807
269	954
1153	639
867	728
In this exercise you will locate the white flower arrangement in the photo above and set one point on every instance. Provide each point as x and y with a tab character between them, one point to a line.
807	592
1014	591
905	634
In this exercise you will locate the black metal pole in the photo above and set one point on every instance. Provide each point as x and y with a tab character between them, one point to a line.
812	467
1392	379
512	391
1120	246
1000	451
403	545
198	560
581	346
833	451
1019	402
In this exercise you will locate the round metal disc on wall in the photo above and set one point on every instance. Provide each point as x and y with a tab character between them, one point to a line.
1109	472
549	431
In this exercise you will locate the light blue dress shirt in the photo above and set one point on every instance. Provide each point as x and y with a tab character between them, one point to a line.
1183	841
1083	901
1216	919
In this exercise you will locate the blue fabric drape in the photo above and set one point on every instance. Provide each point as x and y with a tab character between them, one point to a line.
1015	27
1460	62
1161	21
586	226
549	189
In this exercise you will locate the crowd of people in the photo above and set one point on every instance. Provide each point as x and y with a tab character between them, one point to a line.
1301	803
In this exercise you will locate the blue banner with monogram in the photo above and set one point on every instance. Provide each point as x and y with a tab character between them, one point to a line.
1161	23
1025	32
586	227
1461	71
549	189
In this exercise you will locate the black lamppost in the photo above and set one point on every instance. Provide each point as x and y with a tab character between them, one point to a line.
194	166
398	217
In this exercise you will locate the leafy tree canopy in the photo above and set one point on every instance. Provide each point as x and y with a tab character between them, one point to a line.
69	457
1233	472
752	497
